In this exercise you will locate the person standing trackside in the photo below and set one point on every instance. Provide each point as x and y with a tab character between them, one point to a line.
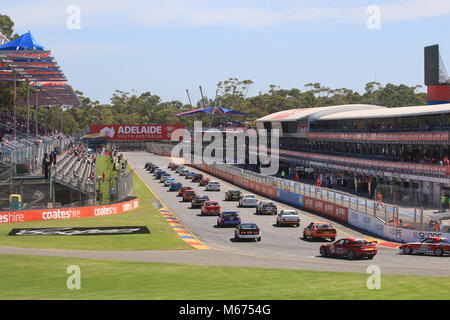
53	157
443	198
45	164
282	174
379	201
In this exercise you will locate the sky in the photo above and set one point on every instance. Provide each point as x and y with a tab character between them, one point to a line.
168	46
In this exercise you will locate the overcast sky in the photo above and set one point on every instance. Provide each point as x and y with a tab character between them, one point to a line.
168	46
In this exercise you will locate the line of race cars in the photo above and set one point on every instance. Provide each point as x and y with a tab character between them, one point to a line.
350	248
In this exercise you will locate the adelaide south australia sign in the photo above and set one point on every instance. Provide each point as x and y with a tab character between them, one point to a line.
136	132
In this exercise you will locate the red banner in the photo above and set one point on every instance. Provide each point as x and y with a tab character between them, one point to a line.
329	209
68	213
423	136
136	132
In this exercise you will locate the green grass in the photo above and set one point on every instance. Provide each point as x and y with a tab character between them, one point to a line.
162	236
31	277
105	165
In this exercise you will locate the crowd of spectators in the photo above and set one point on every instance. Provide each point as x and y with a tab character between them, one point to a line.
433	155
7	122
404	124
81	151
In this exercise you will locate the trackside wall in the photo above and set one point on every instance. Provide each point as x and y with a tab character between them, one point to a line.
68	213
321	200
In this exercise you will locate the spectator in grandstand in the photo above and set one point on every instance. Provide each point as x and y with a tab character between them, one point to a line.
45	164
75	175
446	161
53	157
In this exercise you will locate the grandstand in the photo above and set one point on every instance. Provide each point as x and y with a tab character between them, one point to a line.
25	141
400	152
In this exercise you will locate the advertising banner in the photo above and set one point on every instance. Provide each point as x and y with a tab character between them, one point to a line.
405	137
373	225
68	213
329	209
136	132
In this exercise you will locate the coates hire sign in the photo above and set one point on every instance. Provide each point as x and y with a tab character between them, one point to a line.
136	132
68	213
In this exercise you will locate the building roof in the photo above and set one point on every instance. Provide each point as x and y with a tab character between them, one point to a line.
94	136
25	60
315	113
389	112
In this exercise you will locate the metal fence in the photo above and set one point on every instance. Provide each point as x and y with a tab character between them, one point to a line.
125	185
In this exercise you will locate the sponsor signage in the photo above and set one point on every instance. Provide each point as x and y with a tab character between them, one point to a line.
373	225
329	209
135	132
68	213
85	231
435	136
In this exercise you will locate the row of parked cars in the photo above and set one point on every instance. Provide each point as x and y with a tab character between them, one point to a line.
350	248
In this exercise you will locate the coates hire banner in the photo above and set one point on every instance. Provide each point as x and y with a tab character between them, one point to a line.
136	132
68	213
372	224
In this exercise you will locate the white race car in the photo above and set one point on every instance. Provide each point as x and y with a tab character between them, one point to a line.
169	181
248	200
213	186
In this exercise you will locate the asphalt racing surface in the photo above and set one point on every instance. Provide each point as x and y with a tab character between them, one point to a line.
281	247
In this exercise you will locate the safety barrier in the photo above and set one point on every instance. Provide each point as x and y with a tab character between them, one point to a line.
68	213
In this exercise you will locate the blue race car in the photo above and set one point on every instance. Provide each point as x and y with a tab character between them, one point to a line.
228	218
159	174
190	175
176	186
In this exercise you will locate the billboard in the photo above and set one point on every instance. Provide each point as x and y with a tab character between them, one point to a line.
68	213
136	132
432	65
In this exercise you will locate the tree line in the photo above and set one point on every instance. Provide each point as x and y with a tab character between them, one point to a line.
148	108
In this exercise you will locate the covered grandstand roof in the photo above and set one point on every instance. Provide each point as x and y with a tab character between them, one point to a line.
315	113
25	60
389	112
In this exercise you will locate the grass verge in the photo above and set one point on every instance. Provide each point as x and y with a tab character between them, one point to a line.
162	236
32	277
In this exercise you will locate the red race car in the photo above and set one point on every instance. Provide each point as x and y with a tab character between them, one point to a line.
182	190
210	207
188	195
350	248
319	230
204	181
431	245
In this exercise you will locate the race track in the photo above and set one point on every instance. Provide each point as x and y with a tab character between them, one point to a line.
280	246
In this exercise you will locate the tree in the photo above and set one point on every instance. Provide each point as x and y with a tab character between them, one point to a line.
7	27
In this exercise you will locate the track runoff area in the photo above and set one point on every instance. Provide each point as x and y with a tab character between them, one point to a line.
280	247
